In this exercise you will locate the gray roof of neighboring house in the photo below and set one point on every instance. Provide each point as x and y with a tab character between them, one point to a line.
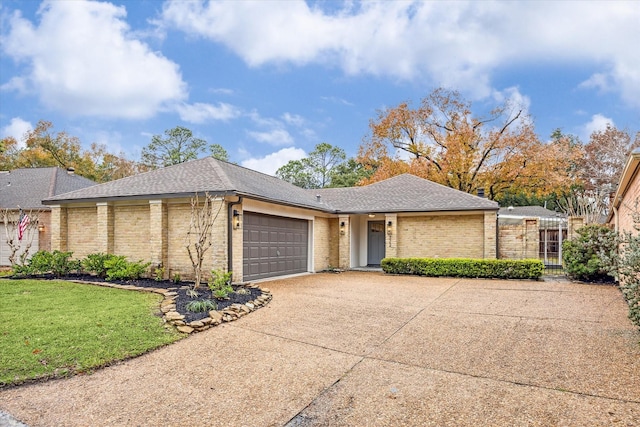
529	212
398	194
27	187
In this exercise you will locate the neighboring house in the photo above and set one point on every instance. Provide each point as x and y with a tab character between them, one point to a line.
533	232
626	201
25	189
267	227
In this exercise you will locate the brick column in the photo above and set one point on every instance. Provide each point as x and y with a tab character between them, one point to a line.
237	241
532	238
490	219
344	245
58	228
575	223
391	239
158	233
104	228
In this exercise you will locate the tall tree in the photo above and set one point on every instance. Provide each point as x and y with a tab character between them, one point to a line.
447	143
315	170
178	145
605	155
218	152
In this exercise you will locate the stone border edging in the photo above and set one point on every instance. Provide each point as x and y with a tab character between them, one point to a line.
171	316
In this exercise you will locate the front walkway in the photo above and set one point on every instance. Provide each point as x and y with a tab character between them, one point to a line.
361	348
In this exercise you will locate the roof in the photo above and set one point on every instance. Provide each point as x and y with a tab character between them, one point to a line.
398	194
629	174
402	193
27	187
528	212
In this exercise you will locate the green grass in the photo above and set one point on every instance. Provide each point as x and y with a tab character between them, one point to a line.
55	328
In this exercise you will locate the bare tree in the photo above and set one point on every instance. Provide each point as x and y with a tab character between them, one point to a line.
591	205
11	224
198	240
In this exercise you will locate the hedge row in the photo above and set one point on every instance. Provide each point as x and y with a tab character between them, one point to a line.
464	267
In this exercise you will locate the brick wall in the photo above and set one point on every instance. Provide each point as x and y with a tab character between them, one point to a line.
131	232
321	244
441	236
519	241
81	231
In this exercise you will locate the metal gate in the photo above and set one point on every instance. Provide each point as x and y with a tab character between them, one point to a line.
553	231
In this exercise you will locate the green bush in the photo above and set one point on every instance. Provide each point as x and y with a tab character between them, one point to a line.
95	263
591	255
118	268
220	284
628	270
465	267
58	263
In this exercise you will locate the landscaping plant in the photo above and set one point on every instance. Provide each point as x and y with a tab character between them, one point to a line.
628	270
592	255
95	263
118	268
465	267
220	284
201	305
42	262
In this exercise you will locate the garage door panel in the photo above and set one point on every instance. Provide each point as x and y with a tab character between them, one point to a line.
274	246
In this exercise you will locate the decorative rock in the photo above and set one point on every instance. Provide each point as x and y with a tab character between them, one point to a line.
215	316
178	322
196	324
174	315
185	329
244	309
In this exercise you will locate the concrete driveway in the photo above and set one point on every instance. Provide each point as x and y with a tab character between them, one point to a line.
367	349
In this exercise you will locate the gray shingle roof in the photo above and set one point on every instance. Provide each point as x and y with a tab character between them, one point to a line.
528	211
27	187
404	193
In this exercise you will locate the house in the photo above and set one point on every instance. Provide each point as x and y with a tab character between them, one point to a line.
626	201
267	227
25	189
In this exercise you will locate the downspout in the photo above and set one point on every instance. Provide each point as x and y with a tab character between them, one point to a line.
230	232
615	218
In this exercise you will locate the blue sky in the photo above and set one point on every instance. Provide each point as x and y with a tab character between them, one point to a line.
269	80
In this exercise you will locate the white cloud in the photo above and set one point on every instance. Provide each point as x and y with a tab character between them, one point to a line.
272	137
17	128
598	122
453	44
270	163
201	113
83	59
294	119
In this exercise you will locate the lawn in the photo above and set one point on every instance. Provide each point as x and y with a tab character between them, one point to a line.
56	328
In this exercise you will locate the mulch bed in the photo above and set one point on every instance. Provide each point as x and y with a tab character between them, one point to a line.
182	299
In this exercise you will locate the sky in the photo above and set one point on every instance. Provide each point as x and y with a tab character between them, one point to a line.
269	80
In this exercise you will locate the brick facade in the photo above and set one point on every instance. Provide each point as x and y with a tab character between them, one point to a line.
444	236
81	231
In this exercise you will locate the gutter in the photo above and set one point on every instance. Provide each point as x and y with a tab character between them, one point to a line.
230	232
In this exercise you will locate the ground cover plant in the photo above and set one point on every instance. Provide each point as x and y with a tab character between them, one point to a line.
53	328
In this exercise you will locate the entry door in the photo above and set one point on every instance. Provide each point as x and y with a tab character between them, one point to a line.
375	242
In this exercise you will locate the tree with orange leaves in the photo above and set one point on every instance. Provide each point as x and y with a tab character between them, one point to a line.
447	144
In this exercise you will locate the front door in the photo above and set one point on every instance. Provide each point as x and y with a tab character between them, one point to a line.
375	242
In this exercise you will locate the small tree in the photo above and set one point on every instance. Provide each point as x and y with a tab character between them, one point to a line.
591	256
179	146
198	240
16	240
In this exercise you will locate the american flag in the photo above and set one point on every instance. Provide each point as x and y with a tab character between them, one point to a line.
22	224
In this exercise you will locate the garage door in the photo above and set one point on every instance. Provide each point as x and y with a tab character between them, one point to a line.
273	246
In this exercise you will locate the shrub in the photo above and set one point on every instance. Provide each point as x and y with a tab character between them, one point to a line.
465	267
591	255
95	263
200	306
58	263
118	268
220	284
628	270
